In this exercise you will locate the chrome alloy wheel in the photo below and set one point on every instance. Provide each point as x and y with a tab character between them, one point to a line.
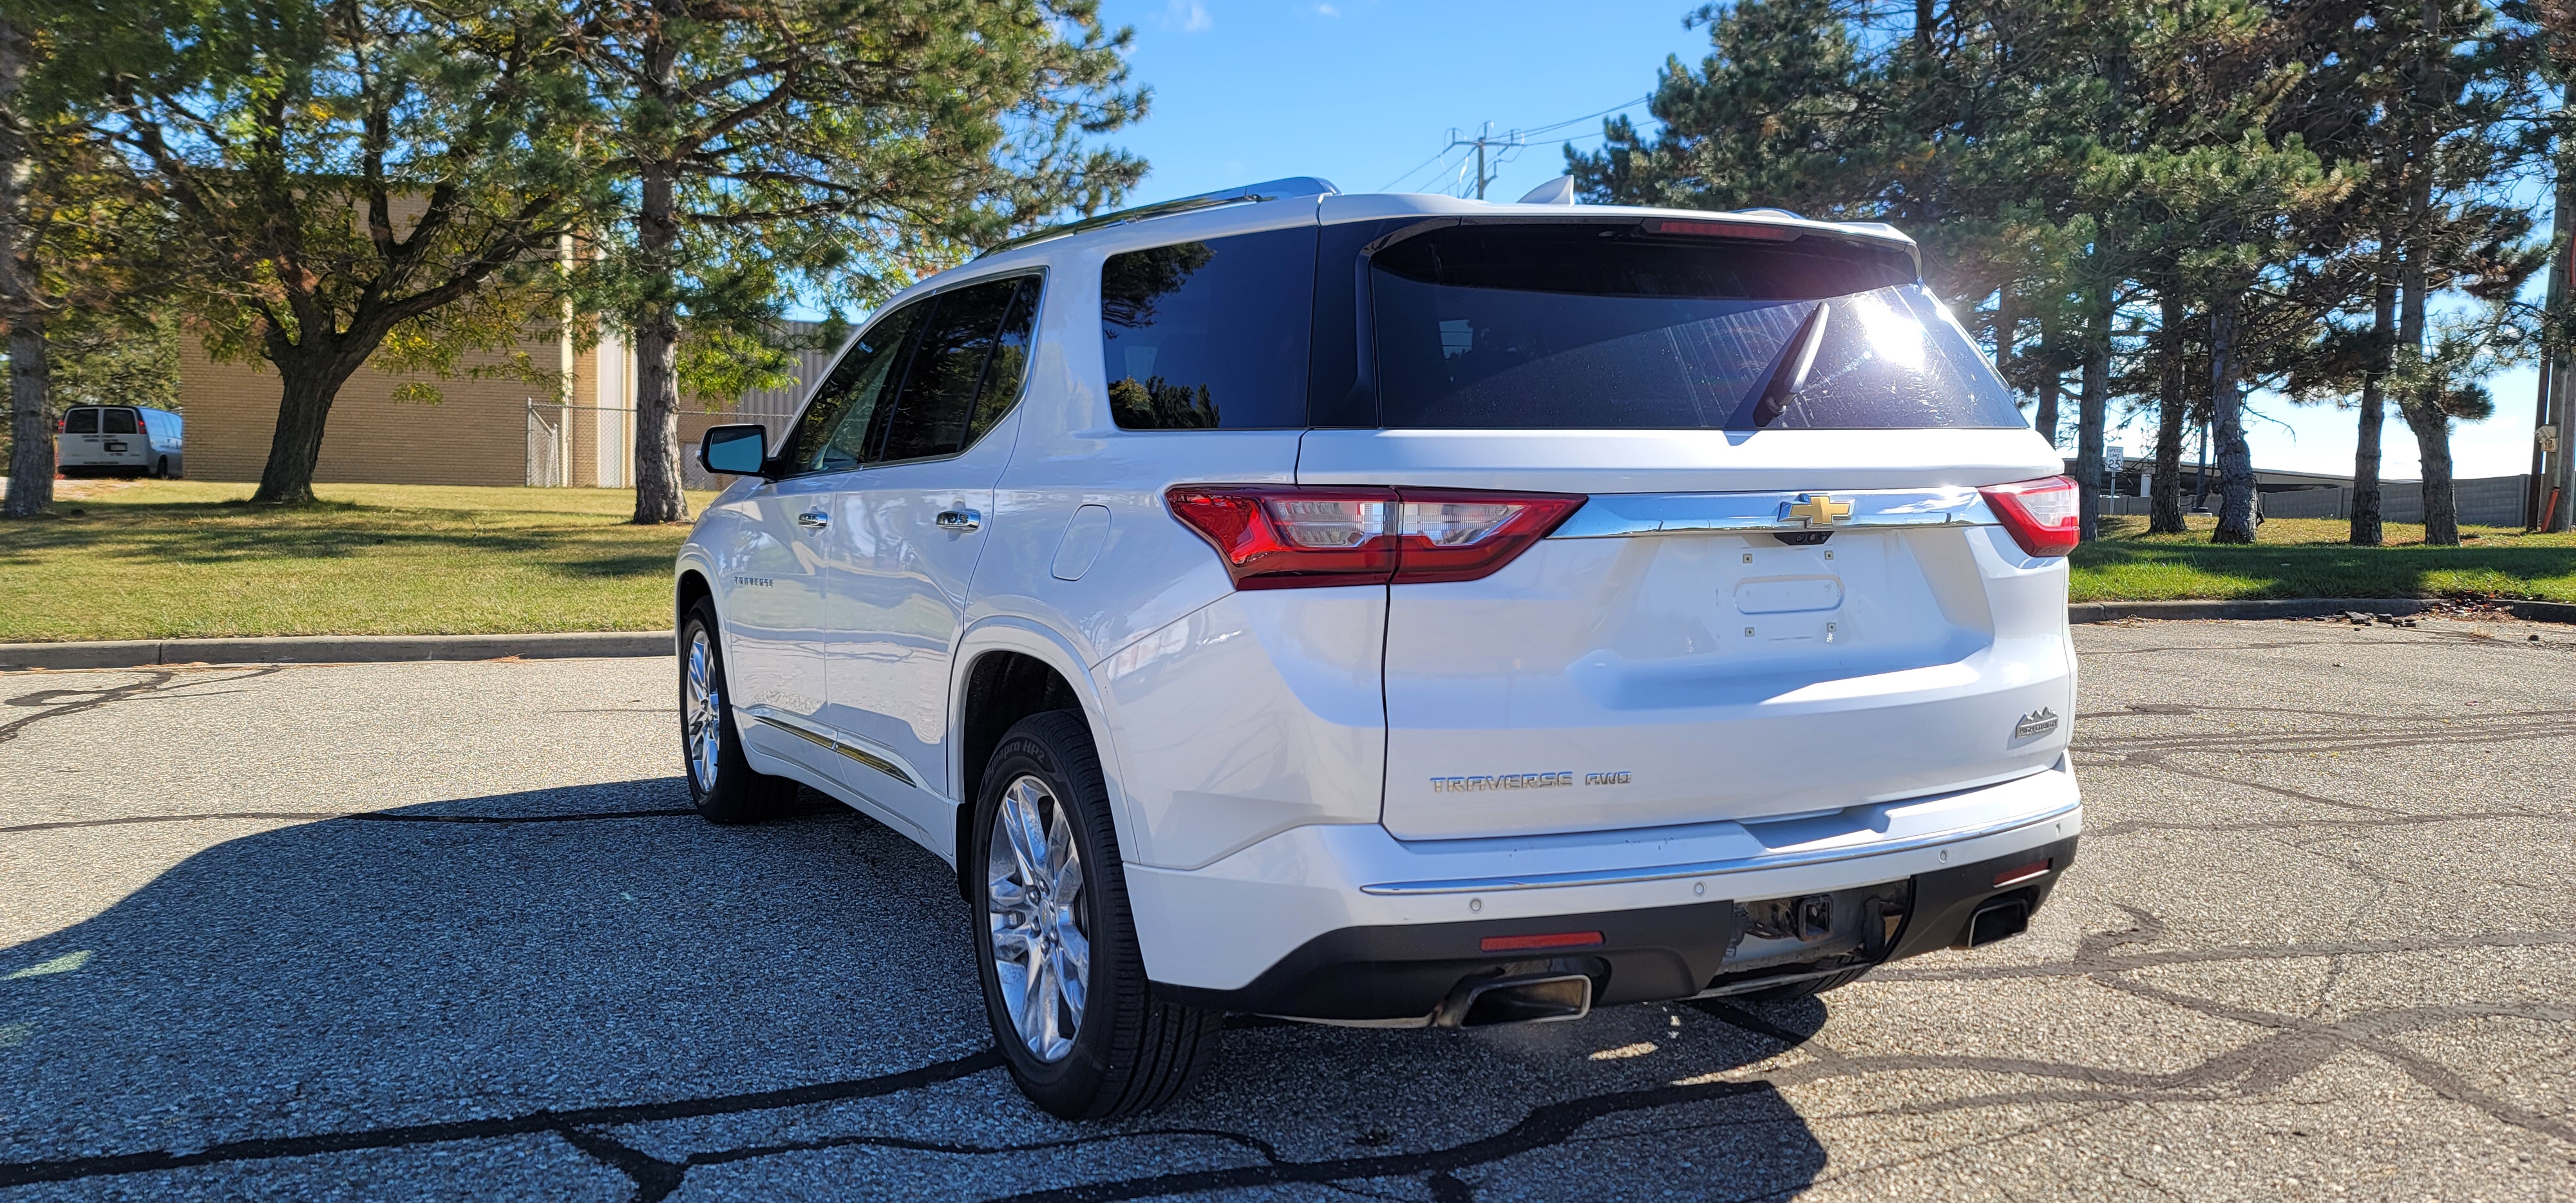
702	711
1033	892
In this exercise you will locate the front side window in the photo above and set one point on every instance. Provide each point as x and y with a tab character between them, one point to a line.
831	435
1209	335
81	421
116	421
1596	326
951	392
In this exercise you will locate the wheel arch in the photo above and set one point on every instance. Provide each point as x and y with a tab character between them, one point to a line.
1006	670
689	585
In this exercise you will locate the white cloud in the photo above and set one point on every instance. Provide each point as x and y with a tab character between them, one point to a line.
1327	10
1189	16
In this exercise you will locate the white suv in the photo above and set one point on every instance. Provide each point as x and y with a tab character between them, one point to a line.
1404	611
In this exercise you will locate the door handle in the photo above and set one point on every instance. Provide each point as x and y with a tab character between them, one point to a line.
959	520
814	519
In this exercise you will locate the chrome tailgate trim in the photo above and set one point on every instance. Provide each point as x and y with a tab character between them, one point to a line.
1625	515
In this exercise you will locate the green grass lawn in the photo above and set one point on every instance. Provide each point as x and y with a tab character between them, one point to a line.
2307	557
180	559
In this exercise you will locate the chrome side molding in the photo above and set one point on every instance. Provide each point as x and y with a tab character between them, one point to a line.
1625	515
876	758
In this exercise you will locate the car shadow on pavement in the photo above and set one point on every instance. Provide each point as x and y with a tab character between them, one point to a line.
588	992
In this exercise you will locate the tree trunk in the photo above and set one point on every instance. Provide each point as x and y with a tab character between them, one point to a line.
2091	408
2227	411
31	419
2366	530
309	381
2051	381
2172	405
2433	441
657	383
31	412
2421	403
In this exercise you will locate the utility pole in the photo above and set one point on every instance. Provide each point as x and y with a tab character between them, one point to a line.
1485	136
2551	499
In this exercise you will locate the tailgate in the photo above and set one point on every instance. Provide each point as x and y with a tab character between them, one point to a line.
1675	678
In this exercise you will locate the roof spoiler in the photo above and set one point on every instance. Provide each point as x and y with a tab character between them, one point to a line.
1295	185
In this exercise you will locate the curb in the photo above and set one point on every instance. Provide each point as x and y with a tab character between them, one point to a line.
332	649
2302	607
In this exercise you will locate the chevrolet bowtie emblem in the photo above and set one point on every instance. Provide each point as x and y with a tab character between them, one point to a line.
1819	509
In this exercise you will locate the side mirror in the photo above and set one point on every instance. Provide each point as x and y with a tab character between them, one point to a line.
734	450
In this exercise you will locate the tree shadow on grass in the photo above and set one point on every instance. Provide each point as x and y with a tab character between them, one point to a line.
225	532
590	990
2310	570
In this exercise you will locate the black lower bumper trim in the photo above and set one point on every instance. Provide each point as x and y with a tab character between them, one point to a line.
1404	971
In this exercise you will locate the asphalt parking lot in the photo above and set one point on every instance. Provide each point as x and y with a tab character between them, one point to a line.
442	930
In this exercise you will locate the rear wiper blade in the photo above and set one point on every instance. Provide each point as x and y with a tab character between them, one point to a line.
1788	374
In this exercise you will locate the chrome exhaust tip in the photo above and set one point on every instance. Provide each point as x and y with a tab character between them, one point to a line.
1996	920
1482	1003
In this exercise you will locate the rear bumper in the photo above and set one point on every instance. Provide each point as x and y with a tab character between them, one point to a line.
1345	922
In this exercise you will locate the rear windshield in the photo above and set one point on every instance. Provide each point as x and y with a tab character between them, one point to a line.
116	421
81	421
1593	326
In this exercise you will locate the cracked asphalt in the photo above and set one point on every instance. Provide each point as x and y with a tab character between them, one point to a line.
442	930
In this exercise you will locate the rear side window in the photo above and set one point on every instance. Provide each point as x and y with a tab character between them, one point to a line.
116	421
81	421
951	392
1593	326
1209	335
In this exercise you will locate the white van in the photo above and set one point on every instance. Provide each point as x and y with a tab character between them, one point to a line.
120	440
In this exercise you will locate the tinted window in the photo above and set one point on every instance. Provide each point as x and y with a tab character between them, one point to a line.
936	410
1209	335
116	421
1569	326
81	421
1009	366
829	437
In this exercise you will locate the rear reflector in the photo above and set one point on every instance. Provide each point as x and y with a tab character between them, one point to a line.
1563	939
2031	872
1723	229
2043	515
1285	537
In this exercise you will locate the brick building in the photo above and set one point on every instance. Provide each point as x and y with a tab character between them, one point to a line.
496	431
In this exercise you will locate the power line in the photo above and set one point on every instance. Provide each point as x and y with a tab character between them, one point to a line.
1589	116
1491	150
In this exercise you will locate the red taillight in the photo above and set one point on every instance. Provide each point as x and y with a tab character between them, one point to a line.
1284	537
2020	873
2043	515
1563	939
1723	229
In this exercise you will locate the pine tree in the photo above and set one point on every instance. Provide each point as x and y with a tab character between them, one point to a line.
830	148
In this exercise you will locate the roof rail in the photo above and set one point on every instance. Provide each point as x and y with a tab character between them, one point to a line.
1295	185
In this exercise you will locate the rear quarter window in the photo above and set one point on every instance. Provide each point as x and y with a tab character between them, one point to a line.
1209	335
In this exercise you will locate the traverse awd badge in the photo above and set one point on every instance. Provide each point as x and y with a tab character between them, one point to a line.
2035	724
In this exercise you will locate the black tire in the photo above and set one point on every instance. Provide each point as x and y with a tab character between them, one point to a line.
738	794
1807	989
161	468
1130	1051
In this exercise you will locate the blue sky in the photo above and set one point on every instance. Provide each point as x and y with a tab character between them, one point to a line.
1364	93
